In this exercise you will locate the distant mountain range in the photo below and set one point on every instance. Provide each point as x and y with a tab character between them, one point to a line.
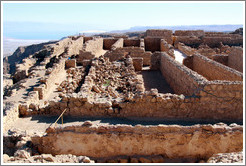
214	28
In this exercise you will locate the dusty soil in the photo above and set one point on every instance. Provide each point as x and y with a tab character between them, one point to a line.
154	79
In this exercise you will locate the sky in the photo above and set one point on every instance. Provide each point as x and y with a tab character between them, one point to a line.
54	20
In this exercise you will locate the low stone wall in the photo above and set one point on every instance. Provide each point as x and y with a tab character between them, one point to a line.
108	42
186	49
170	141
197	33
213	70
235	58
131	42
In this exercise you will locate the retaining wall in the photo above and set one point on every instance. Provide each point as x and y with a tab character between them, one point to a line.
171	141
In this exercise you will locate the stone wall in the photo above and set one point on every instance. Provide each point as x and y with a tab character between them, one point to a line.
47	82
10	114
170	141
120	53
94	45
118	44
161	33
181	79
186	49
223	59
197	33
155	61
214	41
213	70
108	42
87	38
188	62
152	44
222	97
131	42
165	47
76	46
91	49
191	41
235	58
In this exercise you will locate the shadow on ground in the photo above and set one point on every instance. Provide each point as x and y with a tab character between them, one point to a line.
127	121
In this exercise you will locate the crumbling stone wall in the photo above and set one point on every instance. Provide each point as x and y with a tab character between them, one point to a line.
235	58
170	141
213	70
94	45
120	53
91	48
76	45
47	83
10	114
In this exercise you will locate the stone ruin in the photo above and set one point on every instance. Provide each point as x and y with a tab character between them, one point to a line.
165	97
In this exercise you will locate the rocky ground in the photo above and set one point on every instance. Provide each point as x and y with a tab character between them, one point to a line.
236	157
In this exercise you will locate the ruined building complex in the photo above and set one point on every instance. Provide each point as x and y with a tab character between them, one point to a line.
165	97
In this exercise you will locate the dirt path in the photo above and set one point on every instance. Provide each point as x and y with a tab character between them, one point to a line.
154	79
39	123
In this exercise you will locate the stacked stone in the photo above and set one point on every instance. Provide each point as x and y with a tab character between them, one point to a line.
74	77
112	80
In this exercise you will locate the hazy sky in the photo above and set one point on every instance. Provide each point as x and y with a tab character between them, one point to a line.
75	17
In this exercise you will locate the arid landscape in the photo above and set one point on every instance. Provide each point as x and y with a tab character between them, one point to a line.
158	96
